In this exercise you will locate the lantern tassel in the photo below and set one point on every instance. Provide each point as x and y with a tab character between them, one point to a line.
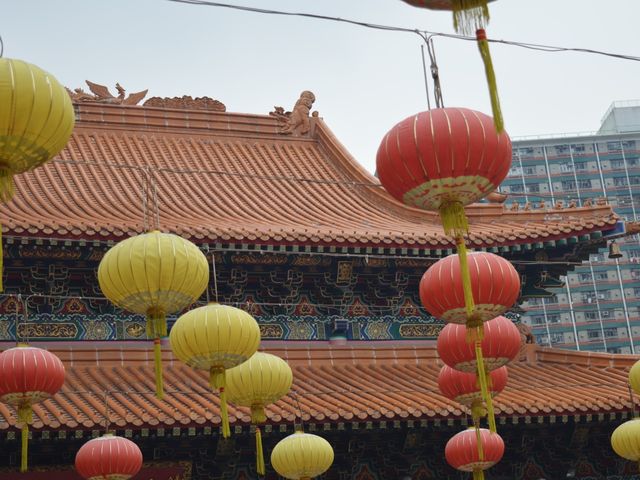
224	414
478	475
257	414
25	448
7	188
467	290
454	220
469	15
484	387
217	381
259	454
157	361
25	416
483	46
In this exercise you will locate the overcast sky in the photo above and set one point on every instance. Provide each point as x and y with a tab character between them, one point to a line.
365	80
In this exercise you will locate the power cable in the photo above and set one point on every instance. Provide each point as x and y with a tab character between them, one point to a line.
424	34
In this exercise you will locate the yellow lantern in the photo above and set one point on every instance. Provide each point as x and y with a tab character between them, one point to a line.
302	456
625	440
154	274
215	338
36	121
634	377
261	380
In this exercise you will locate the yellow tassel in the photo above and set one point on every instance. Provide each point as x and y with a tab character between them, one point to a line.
484	387
156	324
479	445
217	378
25	416
466	277
470	15
157	361
25	448
478	411
224	414
483	46
454	220
7	188
478	475
257	414
259	454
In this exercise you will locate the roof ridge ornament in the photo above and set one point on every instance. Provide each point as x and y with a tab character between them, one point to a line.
101	94
297	121
187	102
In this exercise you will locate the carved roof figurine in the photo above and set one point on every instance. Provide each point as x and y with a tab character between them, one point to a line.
297	121
542	204
186	102
101	94
601	201
587	203
559	205
527	206
572	204
515	206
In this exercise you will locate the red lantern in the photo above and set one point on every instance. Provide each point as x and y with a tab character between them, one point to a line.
500	345
462	451
28	375
443	157
464	388
108	458
494	282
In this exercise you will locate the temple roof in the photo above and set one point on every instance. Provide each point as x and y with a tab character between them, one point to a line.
357	382
236	178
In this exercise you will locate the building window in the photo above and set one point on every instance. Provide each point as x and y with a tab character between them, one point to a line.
614	146
602	276
590	316
584	183
620	181
616	164
610	332
585	277
566	167
614	350
580	166
517	188
593	334
568	185
533	188
578	147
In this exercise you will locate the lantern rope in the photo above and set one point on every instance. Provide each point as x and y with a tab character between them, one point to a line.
217	381
260	468
25	416
478	475
483	46
484	387
157	328
157	363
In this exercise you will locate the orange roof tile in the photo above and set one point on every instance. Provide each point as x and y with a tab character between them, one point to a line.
231	178
362	381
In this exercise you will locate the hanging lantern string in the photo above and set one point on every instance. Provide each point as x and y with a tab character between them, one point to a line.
424	72
215	276
633	401
106	411
297	425
435	74
156	204
145	208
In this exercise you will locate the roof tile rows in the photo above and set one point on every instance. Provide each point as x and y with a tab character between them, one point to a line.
231	178
359	382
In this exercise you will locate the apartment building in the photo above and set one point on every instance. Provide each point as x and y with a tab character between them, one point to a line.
598	307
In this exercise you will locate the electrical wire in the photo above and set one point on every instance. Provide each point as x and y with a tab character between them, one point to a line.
424	34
